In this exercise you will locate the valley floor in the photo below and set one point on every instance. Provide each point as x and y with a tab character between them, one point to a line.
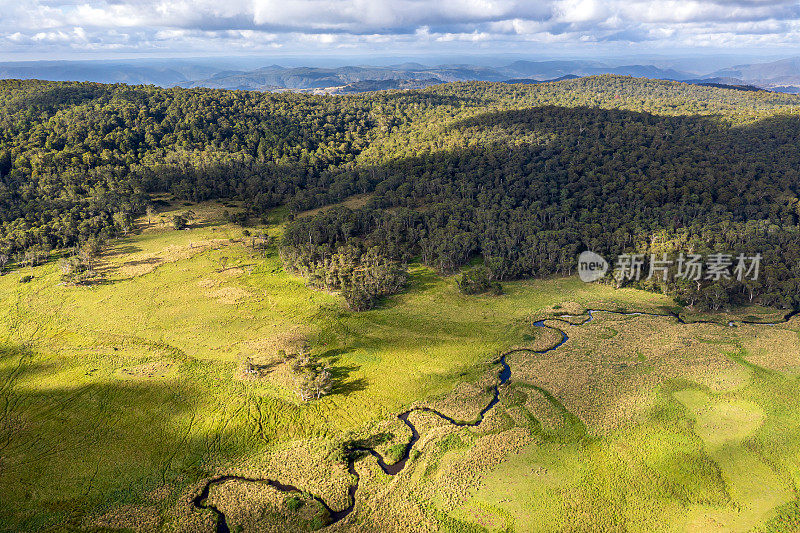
120	400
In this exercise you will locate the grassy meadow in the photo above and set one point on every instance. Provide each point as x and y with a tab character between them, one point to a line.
121	397
683	433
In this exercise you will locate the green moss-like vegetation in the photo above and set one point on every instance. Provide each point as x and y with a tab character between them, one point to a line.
136	383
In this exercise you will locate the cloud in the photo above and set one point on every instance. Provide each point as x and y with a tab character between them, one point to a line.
47	26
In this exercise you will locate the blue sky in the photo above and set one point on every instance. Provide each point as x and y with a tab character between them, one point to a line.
60	29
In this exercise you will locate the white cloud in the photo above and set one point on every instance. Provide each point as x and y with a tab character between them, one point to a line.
474	37
45	26
583	10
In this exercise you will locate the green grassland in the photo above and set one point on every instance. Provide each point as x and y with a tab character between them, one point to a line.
121	397
711	444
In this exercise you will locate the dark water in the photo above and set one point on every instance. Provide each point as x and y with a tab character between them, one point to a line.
356	453
200	501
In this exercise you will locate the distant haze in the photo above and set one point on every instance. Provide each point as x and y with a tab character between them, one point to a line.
252	74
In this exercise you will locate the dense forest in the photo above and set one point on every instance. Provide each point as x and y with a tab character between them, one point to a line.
524	177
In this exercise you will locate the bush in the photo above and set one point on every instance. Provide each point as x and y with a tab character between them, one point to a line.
478	281
240	219
179	222
26	279
358	299
362	276
293	503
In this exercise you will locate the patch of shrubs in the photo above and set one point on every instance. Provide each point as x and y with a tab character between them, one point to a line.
293	503
79	268
238	218
478	280
312	377
183	220
363	276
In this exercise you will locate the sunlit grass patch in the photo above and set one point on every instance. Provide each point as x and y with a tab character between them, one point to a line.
755	489
137	384
713	453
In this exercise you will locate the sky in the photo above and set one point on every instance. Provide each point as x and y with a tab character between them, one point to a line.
66	29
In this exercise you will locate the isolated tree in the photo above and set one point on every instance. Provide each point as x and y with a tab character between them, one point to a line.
260	241
478	281
249	367
29	257
79	268
323	383
190	217
179	221
89	251
313	379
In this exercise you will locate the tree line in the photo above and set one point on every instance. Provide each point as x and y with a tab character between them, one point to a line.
524	177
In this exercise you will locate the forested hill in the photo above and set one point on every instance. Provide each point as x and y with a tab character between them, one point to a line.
524	175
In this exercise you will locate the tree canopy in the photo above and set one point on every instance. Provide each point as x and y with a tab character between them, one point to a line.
524	176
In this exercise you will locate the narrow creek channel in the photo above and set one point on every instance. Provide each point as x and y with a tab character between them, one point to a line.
200	501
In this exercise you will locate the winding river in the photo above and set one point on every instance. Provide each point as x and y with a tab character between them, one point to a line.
200	500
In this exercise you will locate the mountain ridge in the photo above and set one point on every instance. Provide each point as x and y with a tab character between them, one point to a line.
782	75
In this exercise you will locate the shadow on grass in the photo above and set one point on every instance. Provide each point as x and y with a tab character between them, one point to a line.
422	280
105	442
334	354
122	249
346	387
340	374
140	262
266	368
372	441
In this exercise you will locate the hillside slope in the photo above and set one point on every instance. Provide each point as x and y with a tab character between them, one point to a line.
524	175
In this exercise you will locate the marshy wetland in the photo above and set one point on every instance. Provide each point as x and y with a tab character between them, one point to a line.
448	412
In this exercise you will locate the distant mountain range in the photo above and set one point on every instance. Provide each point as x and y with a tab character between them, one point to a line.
165	73
725	83
783	75
534	81
334	80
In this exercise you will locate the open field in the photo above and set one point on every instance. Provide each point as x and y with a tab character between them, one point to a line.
121	397
681	434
